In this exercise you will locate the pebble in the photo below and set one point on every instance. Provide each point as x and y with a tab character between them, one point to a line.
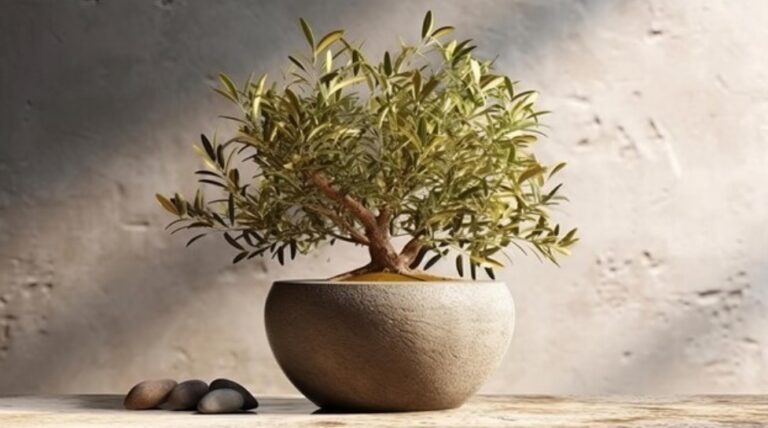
249	401
221	401
148	394
186	395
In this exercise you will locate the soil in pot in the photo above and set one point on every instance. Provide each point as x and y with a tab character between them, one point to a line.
395	277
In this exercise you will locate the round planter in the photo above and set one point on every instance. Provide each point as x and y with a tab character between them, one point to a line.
389	346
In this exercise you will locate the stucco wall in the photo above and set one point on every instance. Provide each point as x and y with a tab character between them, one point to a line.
660	108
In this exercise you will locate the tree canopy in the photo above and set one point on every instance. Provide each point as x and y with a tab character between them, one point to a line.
429	142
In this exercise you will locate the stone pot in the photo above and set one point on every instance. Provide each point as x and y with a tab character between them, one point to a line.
389	346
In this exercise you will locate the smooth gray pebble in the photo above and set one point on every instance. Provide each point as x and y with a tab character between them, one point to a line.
249	401
221	401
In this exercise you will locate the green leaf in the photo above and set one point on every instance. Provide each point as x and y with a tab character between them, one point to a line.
510	87
343	84
442	31
179	229
260	84
431	262
556	168
355	62
462	53
551	193
429	87
165	203
328	61
218	219
181	205
234	119
416	82
199	224
247	238
226	95
212	182
460	266
492	262
328	40
195	238
419	258
234	177
231	208
475	67
523	95
307	33
421	130
387	64
569	237
489	272
297	63
328	77
293	101
229	85
530	172
239	256
220	156
208	147
426	26
489	82
173	223
256	105
232	241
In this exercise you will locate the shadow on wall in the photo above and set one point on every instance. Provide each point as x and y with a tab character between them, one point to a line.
705	320
97	113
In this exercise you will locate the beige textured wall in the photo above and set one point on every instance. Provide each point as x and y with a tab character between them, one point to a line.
661	109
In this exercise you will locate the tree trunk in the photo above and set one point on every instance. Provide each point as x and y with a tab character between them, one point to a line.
383	254
384	258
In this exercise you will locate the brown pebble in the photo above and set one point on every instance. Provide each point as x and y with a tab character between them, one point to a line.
186	395
148	394
249	401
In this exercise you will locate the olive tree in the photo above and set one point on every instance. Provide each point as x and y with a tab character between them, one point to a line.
429	142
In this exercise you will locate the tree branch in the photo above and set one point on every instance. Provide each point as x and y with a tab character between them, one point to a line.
357	209
356	235
383	219
383	256
411	250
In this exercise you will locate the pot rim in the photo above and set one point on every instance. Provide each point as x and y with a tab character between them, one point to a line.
468	282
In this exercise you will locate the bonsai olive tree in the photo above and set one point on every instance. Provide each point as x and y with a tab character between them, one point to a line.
429	143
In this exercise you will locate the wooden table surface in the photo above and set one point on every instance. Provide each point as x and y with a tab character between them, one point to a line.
481	411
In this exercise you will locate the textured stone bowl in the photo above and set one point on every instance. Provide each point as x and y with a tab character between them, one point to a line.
389	346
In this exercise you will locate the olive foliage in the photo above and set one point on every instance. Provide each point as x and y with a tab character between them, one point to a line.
428	142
